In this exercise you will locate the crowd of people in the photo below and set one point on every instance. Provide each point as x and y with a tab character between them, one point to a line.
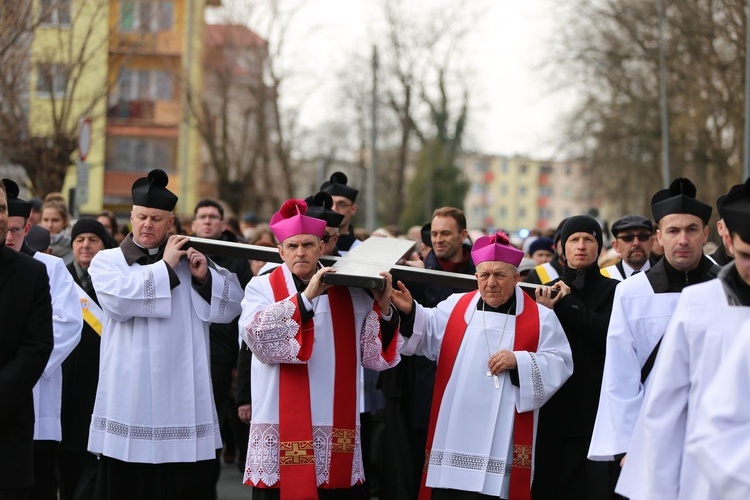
132	365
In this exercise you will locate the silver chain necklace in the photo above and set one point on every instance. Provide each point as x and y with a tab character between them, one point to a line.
487	342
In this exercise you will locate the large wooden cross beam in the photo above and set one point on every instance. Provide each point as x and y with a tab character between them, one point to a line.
360	268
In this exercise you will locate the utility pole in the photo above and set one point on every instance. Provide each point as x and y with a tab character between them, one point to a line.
663	95
372	219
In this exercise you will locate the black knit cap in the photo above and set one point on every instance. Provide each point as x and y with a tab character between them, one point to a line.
542	243
89	225
336	186
558	231
319	206
736	210
16	206
632	221
152	191
679	198
581	224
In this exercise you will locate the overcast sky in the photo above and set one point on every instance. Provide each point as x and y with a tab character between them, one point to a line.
513	110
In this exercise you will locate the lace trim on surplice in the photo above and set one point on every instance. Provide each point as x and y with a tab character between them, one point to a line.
372	347
262	463
537	383
165	433
454	460
272	332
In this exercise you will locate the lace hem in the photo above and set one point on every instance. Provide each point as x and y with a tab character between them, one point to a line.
453	460
262	463
171	433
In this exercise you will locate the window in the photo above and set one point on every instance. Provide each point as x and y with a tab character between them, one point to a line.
521	212
147	85
54	12
504	167
137	154
51	80
503	190
144	16
522	190
524	169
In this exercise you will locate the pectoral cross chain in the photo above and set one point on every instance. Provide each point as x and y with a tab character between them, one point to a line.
496	380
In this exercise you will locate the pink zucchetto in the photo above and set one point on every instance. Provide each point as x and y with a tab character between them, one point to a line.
495	247
291	220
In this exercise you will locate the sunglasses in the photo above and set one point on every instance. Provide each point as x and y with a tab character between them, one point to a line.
630	237
327	237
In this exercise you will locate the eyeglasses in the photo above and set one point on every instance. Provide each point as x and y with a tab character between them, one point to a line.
627	238
15	230
343	205
328	237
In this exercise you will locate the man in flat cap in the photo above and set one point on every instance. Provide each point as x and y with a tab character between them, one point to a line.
154	423
25	345
344	202
500	358
80	369
67	321
304	434
700	334
632	237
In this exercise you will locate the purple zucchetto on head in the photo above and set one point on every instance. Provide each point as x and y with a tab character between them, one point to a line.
291	220
497	248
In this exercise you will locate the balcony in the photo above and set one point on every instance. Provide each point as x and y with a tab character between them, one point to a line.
165	43
144	113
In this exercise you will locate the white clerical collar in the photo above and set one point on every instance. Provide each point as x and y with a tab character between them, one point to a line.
629	270
151	251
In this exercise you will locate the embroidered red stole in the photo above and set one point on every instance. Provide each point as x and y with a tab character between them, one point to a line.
526	339
296	452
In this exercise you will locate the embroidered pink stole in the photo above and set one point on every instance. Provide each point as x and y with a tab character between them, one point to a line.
526	339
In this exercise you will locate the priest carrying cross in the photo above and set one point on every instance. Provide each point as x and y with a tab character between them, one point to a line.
304	435
154	422
500	358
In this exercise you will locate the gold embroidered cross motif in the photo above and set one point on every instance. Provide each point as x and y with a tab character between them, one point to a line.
521	456
296	453
342	440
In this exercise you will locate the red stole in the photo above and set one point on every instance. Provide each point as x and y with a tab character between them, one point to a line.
296	453
526	339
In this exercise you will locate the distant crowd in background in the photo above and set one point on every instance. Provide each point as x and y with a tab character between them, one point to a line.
609	416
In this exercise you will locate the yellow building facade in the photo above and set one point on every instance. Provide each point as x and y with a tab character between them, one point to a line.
143	58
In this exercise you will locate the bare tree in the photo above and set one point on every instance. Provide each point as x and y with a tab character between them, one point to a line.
47	155
608	52
248	135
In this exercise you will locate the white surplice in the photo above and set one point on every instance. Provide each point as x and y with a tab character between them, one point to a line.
154	402
67	321
697	340
719	443
473	442
639	319
269	330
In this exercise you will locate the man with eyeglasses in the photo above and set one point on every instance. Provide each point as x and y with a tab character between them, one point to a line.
643	307
632	238
344	203
208	222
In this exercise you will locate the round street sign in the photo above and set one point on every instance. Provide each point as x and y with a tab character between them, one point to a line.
84	138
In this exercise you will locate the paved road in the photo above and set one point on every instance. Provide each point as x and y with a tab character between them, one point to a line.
230	484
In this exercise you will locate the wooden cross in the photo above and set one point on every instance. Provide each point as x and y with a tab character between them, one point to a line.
360	268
